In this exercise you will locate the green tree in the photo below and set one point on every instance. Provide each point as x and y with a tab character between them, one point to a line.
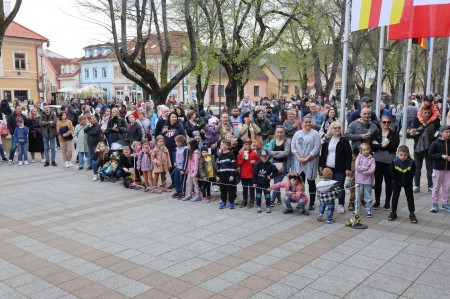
6	20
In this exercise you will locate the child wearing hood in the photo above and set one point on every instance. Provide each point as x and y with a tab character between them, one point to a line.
328	191
364	177
212	133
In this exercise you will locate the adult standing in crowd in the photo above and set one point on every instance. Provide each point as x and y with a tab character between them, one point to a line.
116	128
48	131
264	125
122	109
73	111
172	128
161	122
64	129
365	103
5	112
384	144
337	155
35	140
12	124
291	125
273	118
95	135
224	127
191	124
359	131
134	130
411	113
105	119
423	135
236	120
248	129
305	148
330	118
316	117
279	151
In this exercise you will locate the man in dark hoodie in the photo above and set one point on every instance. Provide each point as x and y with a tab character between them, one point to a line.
263	172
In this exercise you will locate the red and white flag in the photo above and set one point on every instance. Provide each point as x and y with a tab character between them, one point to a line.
422	18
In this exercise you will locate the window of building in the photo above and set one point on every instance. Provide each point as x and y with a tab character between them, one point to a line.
19	61
7	94
104	72
220	90
285	88
116	72
119	93
21	95
86	73
256	91
62	69
94	73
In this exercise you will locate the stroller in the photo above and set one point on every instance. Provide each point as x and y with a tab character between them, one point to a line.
110	167
133	181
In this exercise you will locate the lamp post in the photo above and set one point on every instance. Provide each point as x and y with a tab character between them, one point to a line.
41	55
218	89
182	80
282	69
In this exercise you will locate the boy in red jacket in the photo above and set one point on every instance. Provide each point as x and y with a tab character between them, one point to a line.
246	160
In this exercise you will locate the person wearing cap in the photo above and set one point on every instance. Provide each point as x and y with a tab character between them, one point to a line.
440	155
428	101
263	172
246	104
365	103
21	137
423	136
273	118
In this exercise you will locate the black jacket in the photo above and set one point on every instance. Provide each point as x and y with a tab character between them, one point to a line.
431	129
135	132
190	128
392	136
343	160
94	135
260	172
12	122
403	172
438	148
226	166
121	125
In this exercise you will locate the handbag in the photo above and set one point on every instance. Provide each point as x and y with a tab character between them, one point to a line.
422	144
4	128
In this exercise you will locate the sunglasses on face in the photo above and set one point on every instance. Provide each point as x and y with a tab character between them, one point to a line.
386	122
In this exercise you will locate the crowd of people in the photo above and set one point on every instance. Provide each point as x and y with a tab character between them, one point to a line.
253	144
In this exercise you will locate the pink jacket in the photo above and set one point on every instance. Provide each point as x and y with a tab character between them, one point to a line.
364	170
298	191
192	165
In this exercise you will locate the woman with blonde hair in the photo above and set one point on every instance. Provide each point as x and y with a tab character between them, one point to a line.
116	128
64	128
336	154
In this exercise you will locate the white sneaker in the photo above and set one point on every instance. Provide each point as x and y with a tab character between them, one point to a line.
215	188
33	161
20	163
341	209
67	164
95	177
10	162
70	164
43	161
26	163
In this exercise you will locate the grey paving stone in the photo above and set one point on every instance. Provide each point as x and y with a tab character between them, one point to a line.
159	264
323	264
310	272
20	280
234	275
176	270
387	283
281	291
351	273
5	290
116	282
334	285
308	293
432	279
418	290
412	260
195	263
441	267
400	271
251	267
50	293
365	262
424	251
100	275
134	289
10	273
296	281
265	259
363	291
335	256
216	285
33	287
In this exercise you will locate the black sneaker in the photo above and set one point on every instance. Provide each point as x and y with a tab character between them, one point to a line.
376	206
413	218
311	208
279	202
387	207
243	204
176	195
287	211
351	206
251	205
54	163
304	212
363	203
392	216
272	203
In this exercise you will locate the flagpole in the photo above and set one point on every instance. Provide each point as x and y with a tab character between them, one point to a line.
406	95
444	102
345	64
380	70
430	65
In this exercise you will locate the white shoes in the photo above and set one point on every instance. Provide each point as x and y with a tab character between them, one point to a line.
26	163
33	161
20	163
215	188
67	164
70	164
95	177
341	209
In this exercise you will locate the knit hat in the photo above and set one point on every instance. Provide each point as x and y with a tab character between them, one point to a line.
195	133
443	128
204	149
211	121
327	173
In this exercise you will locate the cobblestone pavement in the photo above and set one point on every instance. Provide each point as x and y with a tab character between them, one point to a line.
64	236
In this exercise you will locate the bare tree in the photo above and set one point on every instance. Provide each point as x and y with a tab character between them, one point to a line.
5	21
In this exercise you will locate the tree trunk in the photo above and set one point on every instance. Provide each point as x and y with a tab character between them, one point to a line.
317	72
231	91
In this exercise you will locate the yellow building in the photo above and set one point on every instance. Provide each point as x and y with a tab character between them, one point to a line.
20	71
279	86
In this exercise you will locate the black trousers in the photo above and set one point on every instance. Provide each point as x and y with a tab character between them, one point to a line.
311	187
259	193
205	186
382	170
418	159
228	189
409	197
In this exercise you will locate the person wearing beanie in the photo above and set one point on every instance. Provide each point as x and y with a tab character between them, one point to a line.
196	135
439	153
328	190
211	133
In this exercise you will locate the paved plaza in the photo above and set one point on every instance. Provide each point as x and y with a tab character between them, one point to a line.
64	236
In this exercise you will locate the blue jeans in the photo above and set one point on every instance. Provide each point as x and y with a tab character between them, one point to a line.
179	181
277	194
95	165
366	190
340	177
23	155
330	207
2	152
288	200
81	159
13	148
49	144
172	169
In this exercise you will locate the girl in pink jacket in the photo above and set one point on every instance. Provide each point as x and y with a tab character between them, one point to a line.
192	172
294	192
364	177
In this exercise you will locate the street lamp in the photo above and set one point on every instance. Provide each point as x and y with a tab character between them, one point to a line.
218	89
282	69
182	80
41	55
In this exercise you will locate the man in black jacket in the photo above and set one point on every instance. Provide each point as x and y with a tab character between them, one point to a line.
12	124
48	131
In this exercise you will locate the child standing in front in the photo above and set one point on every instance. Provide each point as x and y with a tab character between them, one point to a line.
364	177
21	135
403	170
263	172
246	160
181	160
144	164
328	191
207	174
226	170
161	164
440	155
192	172
294	192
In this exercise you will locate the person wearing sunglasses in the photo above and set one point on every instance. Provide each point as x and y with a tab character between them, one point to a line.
384	144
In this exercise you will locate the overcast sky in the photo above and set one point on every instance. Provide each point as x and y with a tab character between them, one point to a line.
62	23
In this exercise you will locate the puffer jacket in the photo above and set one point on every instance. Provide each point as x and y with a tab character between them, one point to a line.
81	139
297	190
192	165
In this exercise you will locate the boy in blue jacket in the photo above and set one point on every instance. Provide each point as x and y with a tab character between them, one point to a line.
21	136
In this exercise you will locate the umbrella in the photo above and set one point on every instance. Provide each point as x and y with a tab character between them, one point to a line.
67	89
91	90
